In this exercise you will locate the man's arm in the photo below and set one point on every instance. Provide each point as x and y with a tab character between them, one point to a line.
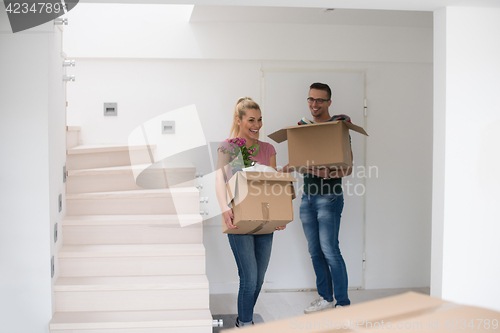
287	168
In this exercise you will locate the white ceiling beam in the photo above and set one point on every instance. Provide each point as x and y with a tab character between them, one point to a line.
413	5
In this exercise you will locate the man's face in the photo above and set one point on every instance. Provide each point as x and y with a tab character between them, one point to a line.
319	109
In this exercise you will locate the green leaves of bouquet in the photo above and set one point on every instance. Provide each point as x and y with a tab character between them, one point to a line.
240	155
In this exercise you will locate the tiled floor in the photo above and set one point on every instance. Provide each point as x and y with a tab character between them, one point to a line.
280	305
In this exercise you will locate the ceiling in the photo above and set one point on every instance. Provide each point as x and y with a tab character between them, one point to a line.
295	15
400	13
412	5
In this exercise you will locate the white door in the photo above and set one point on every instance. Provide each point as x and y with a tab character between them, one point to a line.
284	104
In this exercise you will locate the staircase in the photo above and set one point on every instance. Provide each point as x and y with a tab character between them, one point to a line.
132	259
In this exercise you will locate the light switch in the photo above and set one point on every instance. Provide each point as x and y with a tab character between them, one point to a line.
167	127
110	109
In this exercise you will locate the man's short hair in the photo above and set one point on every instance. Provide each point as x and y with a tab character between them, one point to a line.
322	86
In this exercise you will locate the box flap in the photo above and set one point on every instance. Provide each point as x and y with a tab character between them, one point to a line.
237	188
325	123
230	190
278	136
281	135
446	318
394	308
355	128
271	176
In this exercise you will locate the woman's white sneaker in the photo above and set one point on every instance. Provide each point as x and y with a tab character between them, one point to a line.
239	324
319	305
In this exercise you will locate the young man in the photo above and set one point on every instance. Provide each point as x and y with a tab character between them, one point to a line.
320	212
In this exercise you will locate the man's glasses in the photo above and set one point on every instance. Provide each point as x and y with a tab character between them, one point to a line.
311	100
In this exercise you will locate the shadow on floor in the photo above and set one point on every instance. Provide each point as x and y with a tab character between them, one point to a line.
230	319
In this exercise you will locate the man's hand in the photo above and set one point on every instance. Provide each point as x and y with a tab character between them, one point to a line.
287	169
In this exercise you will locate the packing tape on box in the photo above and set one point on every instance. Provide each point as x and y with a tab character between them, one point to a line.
265	216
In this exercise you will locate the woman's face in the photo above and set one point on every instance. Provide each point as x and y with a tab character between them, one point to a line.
250	124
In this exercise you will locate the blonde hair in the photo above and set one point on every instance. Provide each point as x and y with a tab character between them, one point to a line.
239	111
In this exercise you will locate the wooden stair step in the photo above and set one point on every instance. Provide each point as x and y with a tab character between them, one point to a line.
131	260
110	220
135	177
110	155
144	194
130	283
106	148
72	136
135	250
183	200
138	229
169	320
131	293
121	170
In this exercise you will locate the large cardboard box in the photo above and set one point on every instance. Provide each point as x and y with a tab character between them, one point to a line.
409	312
261	201
321	144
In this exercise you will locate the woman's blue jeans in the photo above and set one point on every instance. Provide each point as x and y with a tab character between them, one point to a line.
320	215
252	254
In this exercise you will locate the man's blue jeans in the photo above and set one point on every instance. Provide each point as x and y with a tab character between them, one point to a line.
320	215
252	254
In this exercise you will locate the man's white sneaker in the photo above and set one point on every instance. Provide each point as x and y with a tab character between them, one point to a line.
319	305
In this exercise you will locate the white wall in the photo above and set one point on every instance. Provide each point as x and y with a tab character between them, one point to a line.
225	63
438	162
144	89
470	181
151	33
398	201
32	151
57	142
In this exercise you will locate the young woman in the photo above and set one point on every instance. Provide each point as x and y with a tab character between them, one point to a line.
251	252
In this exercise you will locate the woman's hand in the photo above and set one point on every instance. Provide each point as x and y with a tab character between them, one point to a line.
228	218
281	228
